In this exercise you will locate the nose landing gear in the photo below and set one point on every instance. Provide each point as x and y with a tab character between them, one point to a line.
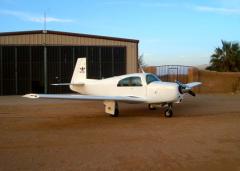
168	112
151	107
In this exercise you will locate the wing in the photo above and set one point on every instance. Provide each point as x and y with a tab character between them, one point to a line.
68	84
193	84
87	97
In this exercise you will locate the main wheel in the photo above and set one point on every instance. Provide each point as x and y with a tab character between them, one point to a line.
151	107
168	113
116	112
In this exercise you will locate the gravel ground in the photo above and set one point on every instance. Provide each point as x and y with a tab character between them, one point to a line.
203	134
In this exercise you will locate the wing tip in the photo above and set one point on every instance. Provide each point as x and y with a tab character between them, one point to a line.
31	96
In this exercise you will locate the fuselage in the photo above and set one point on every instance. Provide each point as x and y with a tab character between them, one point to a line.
142	85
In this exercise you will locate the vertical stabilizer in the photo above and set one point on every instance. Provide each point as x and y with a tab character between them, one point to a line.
80	71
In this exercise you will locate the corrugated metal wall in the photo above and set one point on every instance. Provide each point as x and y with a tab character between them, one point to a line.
55	39
31	61
25	69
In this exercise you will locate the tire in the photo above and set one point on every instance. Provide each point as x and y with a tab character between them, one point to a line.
150	107
168	113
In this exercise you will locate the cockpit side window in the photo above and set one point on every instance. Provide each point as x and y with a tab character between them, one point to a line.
130	82
151	78
124	82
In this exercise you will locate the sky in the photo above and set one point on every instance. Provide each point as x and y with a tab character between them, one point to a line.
183	32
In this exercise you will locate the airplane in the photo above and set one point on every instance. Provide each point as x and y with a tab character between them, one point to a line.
130	88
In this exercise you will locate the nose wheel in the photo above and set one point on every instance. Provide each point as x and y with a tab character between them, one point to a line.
168	112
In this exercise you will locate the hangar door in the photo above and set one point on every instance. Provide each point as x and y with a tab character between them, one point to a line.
22	67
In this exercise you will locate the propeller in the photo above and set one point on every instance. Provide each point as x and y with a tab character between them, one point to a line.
184	89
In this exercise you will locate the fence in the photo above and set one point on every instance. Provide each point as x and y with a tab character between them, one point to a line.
170	73
212	82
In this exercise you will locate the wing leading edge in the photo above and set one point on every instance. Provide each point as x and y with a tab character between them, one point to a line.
87	97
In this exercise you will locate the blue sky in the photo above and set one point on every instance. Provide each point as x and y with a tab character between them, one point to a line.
170	31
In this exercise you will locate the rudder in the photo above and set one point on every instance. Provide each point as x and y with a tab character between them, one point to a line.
80	71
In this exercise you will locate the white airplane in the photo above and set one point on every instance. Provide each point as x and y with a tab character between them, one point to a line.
130	88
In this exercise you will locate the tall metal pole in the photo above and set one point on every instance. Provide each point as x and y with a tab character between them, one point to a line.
45	69
45	56
45	21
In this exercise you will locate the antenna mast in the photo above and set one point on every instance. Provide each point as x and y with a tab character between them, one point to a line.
45	22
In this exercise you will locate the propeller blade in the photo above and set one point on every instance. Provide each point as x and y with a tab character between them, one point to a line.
191	93
184	89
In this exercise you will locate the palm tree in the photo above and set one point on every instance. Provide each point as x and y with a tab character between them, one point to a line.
226	58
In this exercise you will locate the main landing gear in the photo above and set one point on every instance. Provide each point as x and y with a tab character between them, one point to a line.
116	111
111	107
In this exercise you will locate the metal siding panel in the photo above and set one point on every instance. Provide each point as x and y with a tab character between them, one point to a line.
131	59
64	40
1	41
41	39
31	39
8	39
87	41
84	41
95	41
21	39
38	38
27	39
69	40
4	42
55	39
47	39
134	58
79	41
60	39
75	40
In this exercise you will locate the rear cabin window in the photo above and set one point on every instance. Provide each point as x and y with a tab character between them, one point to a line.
151	78
130	82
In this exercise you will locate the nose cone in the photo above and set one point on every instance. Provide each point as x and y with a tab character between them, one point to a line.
167	91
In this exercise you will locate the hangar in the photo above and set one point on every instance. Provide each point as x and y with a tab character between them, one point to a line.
30	61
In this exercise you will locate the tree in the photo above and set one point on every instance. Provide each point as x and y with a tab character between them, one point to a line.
141	62
226	58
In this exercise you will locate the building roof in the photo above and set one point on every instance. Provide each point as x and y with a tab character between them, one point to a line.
67	34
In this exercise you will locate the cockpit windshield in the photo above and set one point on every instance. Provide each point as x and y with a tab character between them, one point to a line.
151	78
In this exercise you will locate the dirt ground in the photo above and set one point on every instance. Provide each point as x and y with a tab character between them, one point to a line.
204	134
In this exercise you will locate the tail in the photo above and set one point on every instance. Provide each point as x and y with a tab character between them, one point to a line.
80	71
